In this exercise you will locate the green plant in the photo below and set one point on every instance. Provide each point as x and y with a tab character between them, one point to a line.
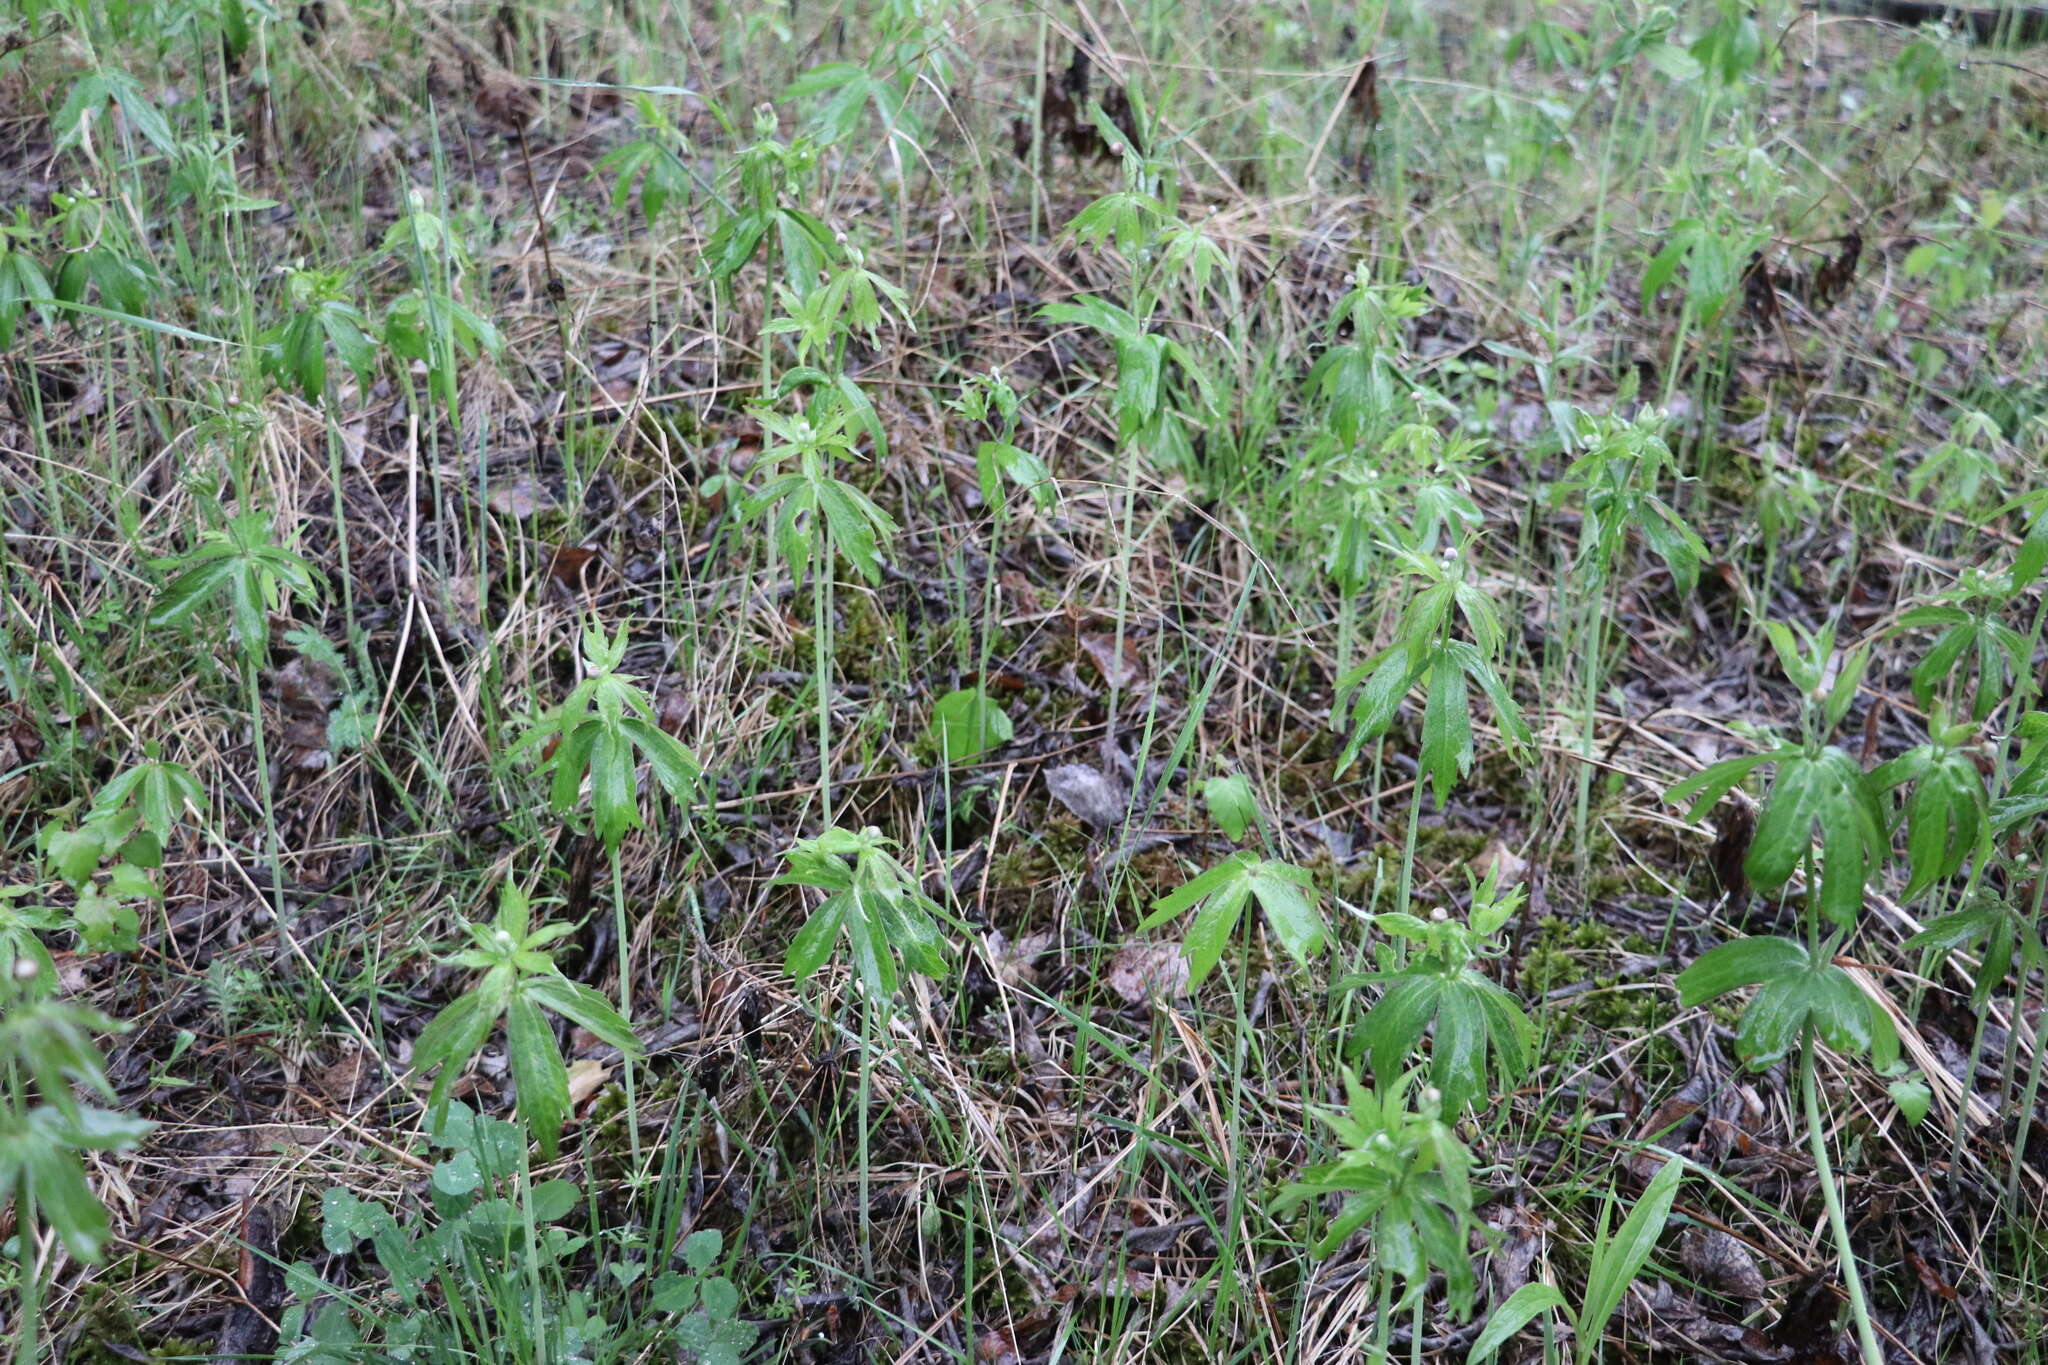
1406	1179
650	161
873	900
1427	654
966	724
1478	1030
23	285
1948	813
1617	1259
1805	997
1360	381
1157	378
431	323
46	1050
597	737
519	981
246	564
705	1306
1286	894
499	1273
126	827
1818	784
816	516
1620	465
1972	641
323	317
766	170
1232	804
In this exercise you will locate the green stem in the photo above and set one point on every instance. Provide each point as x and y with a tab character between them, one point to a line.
1401	891
619	931
867	1057
263	787
1382	1327
1859	1307
2032	1093
821	663
31	1291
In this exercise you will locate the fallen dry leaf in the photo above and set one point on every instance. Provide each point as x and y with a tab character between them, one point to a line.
1119	670
520	498
586	1078
1148	971
1096	800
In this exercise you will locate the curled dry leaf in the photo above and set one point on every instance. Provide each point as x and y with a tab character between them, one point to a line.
573	566
307	690
520	498
1095	800
1148	971
586	1078
1016	960
1118	668
1719	1261
1500	861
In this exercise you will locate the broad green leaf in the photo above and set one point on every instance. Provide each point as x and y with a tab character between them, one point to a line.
1231	804
541	1079
1912	1096
1446	727
1742	962
966	724
1209	933
585	1007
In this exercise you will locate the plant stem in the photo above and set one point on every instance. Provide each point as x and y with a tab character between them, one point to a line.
1381	1320
625	1003
1859	1307
867	1057
255	702
2032	1093
821	663
31	1291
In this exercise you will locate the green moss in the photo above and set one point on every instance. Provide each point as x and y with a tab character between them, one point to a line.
109	1334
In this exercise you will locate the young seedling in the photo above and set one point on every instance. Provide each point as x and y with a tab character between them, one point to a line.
1620	466
874	901
1972	640
1286	893
1480	1038
1948	814
245	564
519	981
1617	1260
1818	784
649	160
816	516
1405	1177
1359	381
1429	654
597	737
47	1054
323	318
1805	998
